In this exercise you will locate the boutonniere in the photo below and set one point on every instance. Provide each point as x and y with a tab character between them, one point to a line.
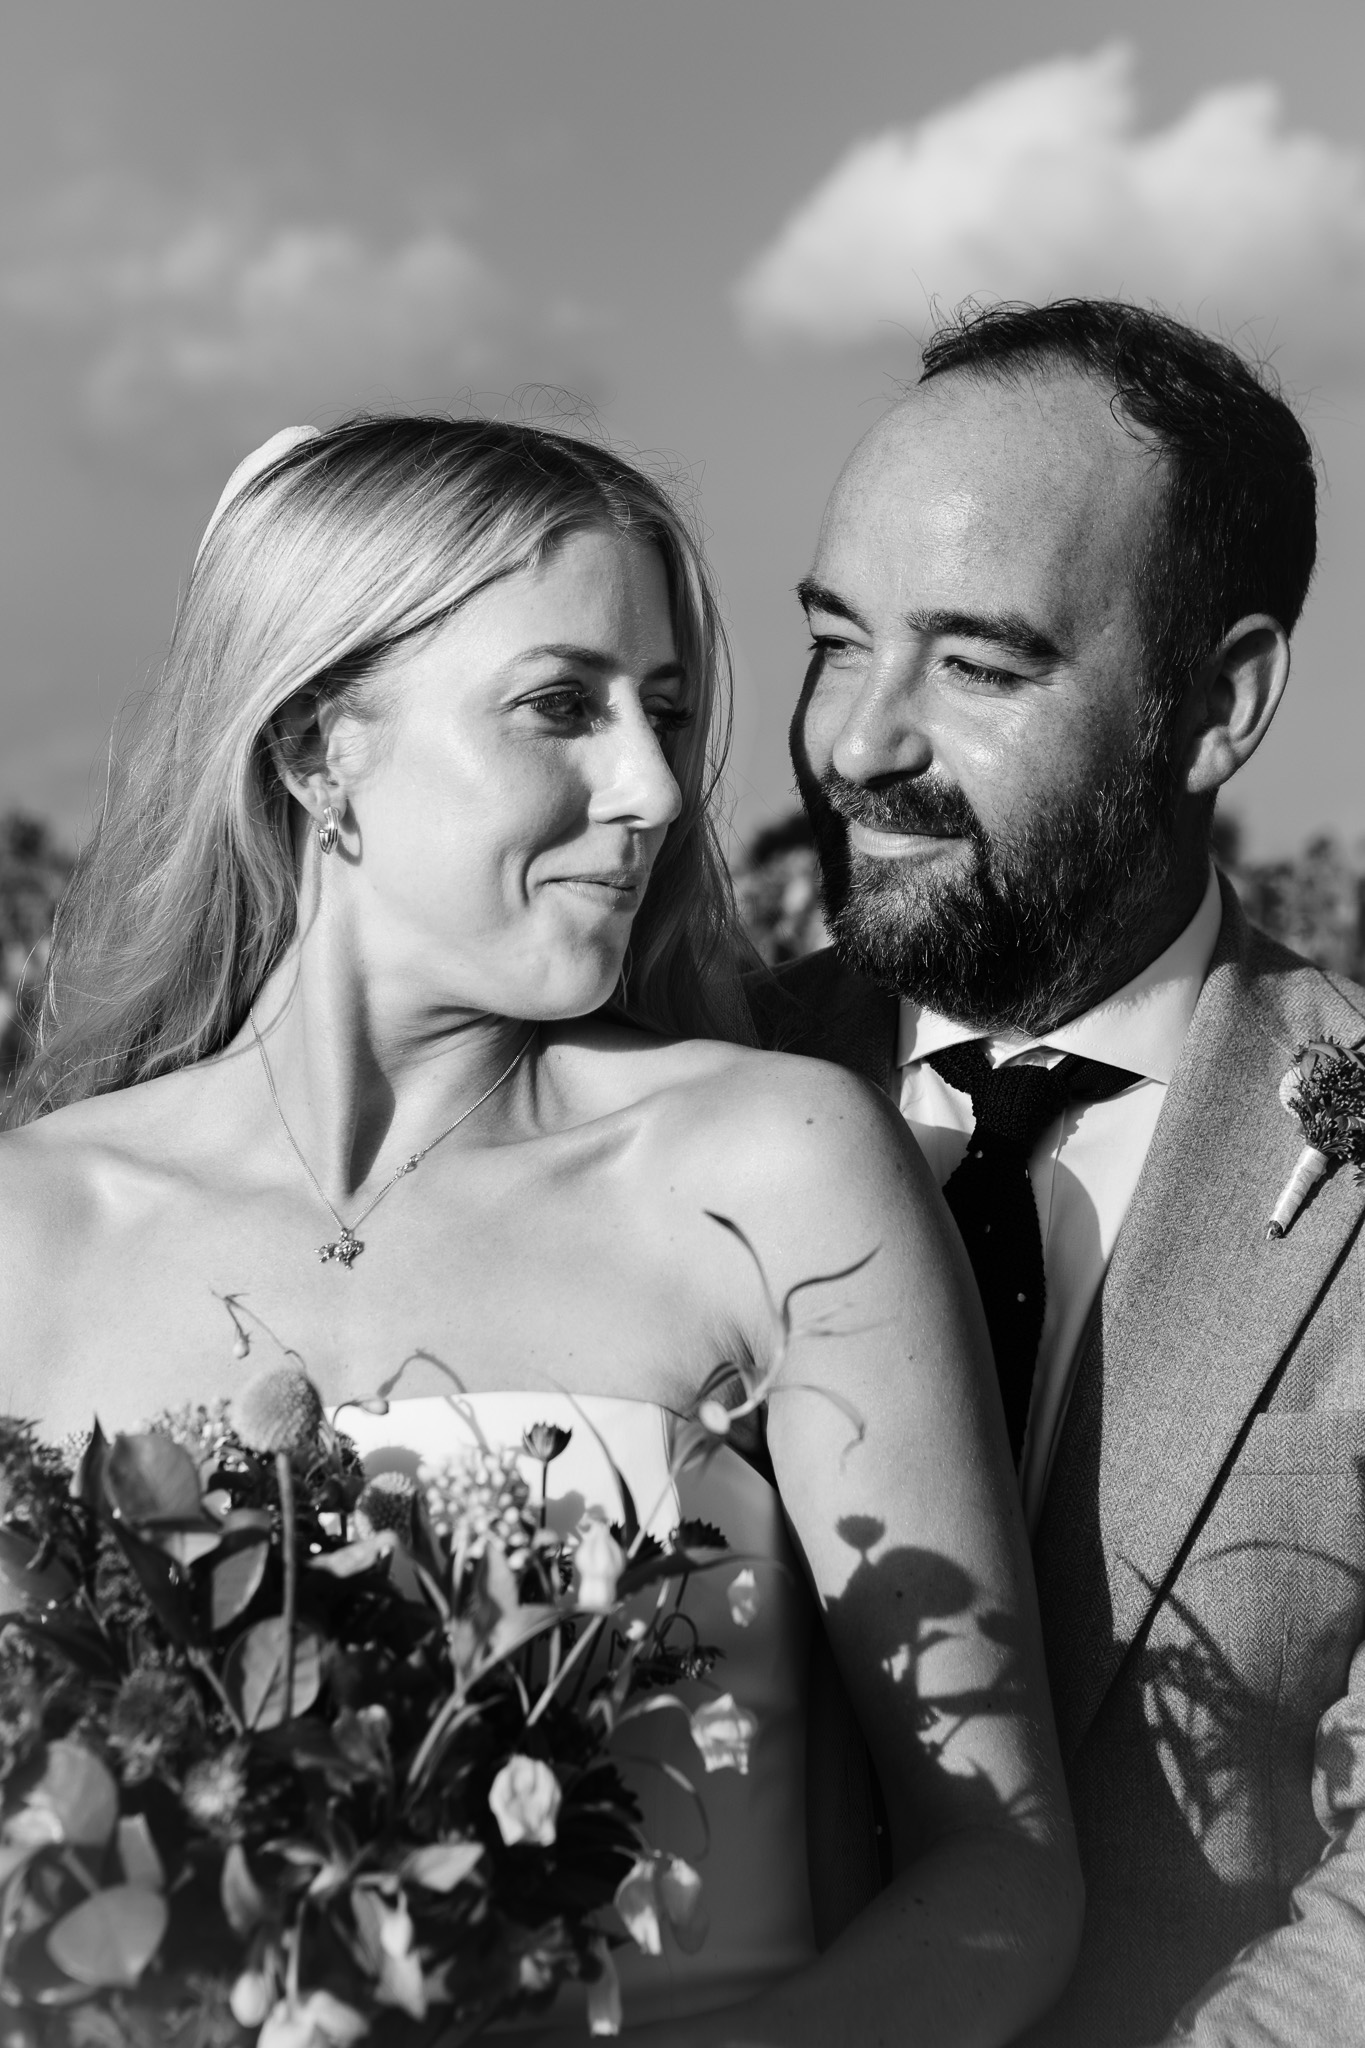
1325	1090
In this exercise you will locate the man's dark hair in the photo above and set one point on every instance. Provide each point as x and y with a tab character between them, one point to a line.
1238	532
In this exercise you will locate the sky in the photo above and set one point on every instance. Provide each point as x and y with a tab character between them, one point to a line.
721	227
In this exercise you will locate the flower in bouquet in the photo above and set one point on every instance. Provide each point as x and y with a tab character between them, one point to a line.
279	1410
318	2021
744	1599
35	1485
388	1502
605	2011
477	1499
288	1748
252	1997
204	1429
598	1564
544	1959
214	1790
724	1733
661	1891
155	1720
525	1798
546	1441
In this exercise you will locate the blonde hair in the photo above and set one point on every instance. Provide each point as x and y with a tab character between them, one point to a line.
353	541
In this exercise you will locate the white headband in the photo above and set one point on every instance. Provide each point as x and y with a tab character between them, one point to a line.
251	466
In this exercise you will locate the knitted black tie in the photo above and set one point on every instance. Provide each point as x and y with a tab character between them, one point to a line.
991	1197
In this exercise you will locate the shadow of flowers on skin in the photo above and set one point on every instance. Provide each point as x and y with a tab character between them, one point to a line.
915	1605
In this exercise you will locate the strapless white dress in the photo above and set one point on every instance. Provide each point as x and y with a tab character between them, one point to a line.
754	1866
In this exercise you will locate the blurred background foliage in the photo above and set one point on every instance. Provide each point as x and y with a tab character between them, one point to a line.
1314	902
34	869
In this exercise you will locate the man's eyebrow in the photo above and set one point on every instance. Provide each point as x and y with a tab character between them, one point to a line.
817	597
593	658
1009	631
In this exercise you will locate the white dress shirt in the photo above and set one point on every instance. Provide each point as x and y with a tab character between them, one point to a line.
1086	1164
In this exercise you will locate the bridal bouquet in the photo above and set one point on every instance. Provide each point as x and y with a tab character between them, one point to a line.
296	1755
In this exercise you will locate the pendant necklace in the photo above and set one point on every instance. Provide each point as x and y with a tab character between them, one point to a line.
346	1249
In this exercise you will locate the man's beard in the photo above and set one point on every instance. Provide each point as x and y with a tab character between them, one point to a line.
1031	930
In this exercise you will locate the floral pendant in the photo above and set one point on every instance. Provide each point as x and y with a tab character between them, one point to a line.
345	1251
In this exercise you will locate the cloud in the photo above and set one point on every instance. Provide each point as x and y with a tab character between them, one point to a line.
1039	185
218	304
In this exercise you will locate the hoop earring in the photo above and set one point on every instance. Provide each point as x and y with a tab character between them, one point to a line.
329	829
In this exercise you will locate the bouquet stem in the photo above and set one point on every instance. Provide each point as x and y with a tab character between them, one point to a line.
289	1537
203	1665
575	1656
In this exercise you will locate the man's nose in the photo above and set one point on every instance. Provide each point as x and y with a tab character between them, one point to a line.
879	729
636	785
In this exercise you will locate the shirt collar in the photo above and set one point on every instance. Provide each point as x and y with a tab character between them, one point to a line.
1141	1026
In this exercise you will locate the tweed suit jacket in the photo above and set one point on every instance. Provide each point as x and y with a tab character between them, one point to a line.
1201	1552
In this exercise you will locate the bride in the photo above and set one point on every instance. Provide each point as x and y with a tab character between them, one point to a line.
388	1016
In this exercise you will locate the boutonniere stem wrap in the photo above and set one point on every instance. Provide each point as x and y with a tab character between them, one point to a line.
1325	1090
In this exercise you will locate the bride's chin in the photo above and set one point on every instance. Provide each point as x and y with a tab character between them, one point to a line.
576	990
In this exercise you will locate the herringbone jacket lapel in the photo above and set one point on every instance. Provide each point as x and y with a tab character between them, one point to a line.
1195	1316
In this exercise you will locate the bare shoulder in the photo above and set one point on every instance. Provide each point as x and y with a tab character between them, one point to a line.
58	1172
46	1168
814	1164
733	1100
797	1109
803	1114
48	1216
817	1171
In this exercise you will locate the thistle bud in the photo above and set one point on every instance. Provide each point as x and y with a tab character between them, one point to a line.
279	1410
387	1502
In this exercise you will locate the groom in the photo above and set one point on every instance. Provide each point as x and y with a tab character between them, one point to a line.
1050	609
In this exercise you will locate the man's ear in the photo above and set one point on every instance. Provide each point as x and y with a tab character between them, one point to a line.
303	747
1234	696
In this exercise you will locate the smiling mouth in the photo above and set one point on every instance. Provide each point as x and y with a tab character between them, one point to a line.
620	891
896	845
